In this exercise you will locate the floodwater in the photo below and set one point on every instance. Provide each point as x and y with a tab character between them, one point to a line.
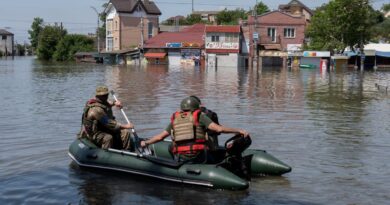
332	128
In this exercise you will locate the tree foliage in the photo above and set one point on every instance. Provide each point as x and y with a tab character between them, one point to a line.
71	44
261	8
231	17
342	23
49	37
36	28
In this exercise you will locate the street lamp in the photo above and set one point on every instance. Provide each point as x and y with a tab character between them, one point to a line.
98	27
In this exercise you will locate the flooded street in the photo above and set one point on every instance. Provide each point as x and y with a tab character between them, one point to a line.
331	128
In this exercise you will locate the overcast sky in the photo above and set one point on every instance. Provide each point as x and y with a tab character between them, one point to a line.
78	16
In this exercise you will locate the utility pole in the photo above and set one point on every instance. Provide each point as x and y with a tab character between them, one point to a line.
256	40
142	40
192	6
98	27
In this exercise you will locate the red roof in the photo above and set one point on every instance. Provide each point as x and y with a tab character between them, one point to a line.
190	36
223	29
155	55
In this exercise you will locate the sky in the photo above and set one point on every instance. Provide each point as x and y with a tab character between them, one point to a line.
77	16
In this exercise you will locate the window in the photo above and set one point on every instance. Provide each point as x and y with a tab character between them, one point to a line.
150	29
157	61
271	32
116	25
214	38
289	32
109	27
4	37
110	44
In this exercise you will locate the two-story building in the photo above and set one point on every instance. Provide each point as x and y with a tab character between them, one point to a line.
223	46
275	32
6	43
129	23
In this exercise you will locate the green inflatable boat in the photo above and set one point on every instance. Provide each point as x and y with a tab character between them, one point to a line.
158	163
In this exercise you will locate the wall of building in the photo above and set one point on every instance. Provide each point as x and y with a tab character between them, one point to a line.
6	44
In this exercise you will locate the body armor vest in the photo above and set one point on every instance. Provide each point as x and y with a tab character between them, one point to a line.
91	126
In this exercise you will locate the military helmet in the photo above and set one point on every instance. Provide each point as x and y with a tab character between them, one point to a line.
101	90
189	104
196	98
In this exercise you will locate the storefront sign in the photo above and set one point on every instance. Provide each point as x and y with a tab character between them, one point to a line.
222	45
173	45
316	54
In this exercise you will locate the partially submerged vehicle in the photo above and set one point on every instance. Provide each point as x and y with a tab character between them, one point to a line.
156	161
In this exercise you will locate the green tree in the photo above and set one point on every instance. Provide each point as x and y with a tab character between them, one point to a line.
261	8
341	23
36	28
386	7
71	44
231	17
192	19
49	37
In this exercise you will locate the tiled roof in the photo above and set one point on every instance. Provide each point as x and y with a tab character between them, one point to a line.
128	6
223	29
278	18
5	32
295	2
192	35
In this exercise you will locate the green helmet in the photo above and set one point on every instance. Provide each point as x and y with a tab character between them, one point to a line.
189	104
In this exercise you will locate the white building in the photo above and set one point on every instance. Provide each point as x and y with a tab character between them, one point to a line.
6	43
223	46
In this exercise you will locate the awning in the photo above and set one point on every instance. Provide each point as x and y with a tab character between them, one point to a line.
155	55
383	54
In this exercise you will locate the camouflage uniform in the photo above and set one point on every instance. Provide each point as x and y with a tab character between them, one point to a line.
100	126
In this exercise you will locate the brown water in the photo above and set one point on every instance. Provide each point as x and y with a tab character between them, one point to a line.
332	128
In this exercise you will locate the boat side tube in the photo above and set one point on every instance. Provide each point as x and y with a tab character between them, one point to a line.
263	163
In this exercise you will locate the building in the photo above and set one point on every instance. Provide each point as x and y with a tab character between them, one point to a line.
129	23
207	16
223	46
185	47
296	8
273	33
6	43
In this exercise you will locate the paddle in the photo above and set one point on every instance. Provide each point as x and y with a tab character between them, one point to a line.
136	138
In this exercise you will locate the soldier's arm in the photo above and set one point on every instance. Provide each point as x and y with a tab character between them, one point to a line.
98	114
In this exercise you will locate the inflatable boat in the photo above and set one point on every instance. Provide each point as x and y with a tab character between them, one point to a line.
158	162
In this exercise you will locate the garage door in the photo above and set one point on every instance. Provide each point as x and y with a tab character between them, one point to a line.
174	58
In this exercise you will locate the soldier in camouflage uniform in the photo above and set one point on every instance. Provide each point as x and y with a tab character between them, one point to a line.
99	124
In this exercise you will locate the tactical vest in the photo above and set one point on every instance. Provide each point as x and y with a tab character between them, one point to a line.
188	135
91	126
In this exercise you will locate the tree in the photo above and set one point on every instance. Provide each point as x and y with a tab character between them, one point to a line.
36	28
341	23
386	7
71	44
261	8
192	19
231	17
49	37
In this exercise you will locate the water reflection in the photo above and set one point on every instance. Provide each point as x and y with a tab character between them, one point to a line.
332	128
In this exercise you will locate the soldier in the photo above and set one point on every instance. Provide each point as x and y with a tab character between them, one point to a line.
99	124
188	128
